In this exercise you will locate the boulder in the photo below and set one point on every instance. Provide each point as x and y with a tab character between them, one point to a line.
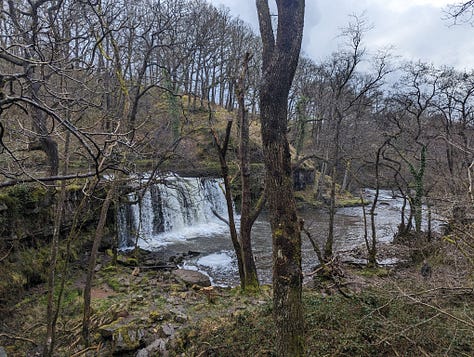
192	277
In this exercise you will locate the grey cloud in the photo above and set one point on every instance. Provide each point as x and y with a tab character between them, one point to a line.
417	32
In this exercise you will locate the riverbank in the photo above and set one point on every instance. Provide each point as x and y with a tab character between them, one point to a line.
152	312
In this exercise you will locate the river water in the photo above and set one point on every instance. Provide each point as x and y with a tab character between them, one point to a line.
189	224
218	260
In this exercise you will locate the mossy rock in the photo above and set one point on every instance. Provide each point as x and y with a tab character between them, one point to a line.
127	261
124	336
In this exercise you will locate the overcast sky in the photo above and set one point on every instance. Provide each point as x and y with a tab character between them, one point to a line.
415	28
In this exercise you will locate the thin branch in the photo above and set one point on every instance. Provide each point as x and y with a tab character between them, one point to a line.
215	213
443	312
18	338
46	179
6	255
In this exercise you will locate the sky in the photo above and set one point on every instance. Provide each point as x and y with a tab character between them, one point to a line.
417	29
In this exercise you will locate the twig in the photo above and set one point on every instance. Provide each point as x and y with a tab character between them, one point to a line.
315	271
215	213
462	289
312	241
6	255
86	350
458	319
402	332
423	352
19	338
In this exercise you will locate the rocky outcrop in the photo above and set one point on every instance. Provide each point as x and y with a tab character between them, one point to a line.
125	335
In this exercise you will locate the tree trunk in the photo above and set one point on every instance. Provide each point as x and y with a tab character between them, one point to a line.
92	261
280	58
50	313
222	151
328	251
247	217
44	142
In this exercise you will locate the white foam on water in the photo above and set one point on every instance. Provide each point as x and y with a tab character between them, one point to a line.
205	230
221	260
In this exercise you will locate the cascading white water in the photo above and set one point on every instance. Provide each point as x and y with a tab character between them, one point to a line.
179	209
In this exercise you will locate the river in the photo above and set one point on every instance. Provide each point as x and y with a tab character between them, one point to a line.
180	225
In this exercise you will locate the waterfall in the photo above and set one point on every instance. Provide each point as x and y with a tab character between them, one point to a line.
179	209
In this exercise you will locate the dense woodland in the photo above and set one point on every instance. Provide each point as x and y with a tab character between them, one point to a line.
96	93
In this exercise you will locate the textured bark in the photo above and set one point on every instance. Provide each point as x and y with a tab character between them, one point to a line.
248	213
222	152
91	266
50	313
280	58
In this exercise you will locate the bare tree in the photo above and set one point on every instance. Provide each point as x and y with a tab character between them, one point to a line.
342	96
280	59
461	12
241	241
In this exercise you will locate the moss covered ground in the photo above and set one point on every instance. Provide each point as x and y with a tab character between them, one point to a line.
384	312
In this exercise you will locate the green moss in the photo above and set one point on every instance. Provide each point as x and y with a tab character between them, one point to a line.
25	196
348	202
7	200
24	209
113	283
102	305
132	261
372	272
74	187
110	269
156	316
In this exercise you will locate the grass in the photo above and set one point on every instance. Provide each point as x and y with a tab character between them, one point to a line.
379	321
384	313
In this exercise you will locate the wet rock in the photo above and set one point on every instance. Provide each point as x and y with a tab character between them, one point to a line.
148	258
176	259
192	277
302	177
127	261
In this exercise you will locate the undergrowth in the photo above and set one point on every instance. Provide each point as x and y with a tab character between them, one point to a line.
377	322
